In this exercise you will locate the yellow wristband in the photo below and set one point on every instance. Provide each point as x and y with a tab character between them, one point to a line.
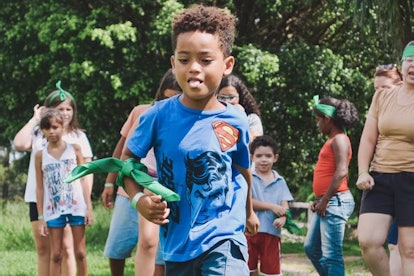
40	217
362	172
109	184
135	199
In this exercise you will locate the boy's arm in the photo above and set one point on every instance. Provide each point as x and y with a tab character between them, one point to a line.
150	207
281	220
40	192
252	222
108	192
85	187
279	210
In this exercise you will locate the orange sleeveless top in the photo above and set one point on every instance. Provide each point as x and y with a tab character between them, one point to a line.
325	169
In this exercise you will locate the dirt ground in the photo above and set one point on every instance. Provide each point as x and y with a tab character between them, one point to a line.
299	265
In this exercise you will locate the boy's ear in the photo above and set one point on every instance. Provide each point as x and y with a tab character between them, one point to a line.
229	63
276	158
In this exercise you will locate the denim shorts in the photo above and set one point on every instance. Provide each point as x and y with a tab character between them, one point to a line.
123	232
393	233
158	257
62	220
226	258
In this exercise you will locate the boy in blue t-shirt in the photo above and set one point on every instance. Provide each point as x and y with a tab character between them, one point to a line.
270	201
201	149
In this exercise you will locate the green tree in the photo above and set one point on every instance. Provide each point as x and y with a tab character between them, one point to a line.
111	56
391	17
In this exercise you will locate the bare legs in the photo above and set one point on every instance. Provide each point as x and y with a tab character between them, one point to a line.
372	233
147	247
43	252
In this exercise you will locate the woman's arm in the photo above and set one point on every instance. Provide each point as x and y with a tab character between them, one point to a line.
366	151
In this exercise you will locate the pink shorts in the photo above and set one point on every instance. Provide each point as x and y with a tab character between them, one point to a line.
265	248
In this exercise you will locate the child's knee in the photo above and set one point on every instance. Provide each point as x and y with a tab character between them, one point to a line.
57	257
80	255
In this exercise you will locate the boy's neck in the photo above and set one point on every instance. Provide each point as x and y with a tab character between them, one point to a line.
267	177
210	103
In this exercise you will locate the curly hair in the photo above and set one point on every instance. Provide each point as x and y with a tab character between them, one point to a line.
246	99
212	20
345	114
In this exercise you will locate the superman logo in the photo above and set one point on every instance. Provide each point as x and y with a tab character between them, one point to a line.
226	134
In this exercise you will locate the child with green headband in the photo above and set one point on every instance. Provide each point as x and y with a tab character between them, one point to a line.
386	172
334	202
30	138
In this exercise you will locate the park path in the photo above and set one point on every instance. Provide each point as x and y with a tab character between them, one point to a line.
299	265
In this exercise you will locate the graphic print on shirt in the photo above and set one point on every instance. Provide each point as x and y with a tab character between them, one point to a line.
166	176
61	194
207	188
226	134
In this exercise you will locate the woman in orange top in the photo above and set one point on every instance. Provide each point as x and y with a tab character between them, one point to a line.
334	202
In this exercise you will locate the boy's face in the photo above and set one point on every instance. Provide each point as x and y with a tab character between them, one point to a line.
264	158
199	64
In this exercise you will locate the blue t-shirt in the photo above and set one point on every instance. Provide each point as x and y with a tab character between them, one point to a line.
195	151
274	192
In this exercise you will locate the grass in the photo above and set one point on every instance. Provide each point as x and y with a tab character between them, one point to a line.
18	254
17	249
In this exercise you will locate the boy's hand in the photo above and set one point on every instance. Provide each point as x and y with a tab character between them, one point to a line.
279	222
252	224
278	210
107	197
153	209
88	217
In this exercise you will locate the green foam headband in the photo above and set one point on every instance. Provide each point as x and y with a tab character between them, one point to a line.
408	52
326	109
62	94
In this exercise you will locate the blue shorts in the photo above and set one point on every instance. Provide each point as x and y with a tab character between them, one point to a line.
123	232
226	258
62	220
393	233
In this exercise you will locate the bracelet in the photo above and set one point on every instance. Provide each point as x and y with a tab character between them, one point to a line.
109	184
362	172
135	199
40	217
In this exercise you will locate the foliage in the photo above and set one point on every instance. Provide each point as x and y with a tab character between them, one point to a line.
111	56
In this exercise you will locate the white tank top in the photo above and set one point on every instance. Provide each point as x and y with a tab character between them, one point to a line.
59	197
